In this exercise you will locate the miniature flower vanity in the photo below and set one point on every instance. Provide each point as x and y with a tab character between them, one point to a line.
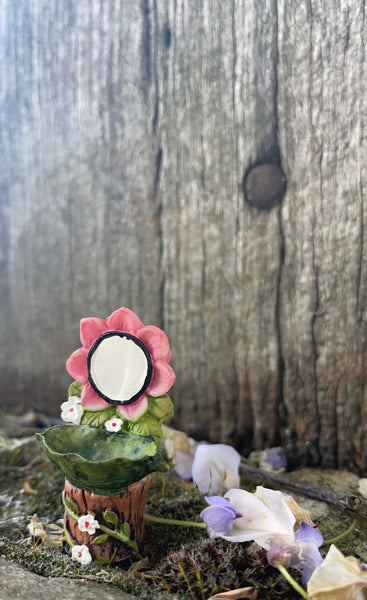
115	409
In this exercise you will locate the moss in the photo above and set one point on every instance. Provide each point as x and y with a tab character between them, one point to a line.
203	569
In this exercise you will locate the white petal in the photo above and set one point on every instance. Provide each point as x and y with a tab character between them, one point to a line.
231	480
74	399
277	502
211	464
258	522
182	463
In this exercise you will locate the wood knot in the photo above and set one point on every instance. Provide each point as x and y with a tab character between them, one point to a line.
264	186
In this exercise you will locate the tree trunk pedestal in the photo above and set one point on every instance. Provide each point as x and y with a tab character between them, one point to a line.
128	507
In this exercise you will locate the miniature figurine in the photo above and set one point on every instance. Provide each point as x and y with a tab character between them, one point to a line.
109	449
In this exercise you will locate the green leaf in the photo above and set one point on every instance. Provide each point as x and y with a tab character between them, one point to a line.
94	460
71	504
147	426
75	389
100	539
97	418
161	408
125	530
110	517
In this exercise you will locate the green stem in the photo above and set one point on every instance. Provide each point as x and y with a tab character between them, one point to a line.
173	521
66	538
293	582
339	537
118	536
71	514
111	532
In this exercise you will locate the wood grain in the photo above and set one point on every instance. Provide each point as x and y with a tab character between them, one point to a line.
126	131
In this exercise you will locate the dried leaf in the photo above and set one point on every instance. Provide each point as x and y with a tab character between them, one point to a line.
28	489
48	533
143	563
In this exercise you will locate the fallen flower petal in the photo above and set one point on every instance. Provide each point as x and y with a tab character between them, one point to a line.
265	518
220	514
215	467
247	592
258	522
338	578
302	554
308	533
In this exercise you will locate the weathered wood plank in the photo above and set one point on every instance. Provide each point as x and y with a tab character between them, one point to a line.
322	116
220	256
79	161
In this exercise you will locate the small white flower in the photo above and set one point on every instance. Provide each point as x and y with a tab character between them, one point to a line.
113	424
72	410
88	523
215	468
81	554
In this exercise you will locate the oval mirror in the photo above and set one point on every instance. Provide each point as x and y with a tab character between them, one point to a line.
119	367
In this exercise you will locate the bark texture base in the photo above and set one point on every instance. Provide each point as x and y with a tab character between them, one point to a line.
129	508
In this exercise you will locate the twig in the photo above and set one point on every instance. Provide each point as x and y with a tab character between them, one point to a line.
347	502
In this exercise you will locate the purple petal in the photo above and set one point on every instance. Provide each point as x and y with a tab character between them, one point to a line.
308	533
276	459
218	501
312	559
219	518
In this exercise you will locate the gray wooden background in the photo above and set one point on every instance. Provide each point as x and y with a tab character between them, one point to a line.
126	129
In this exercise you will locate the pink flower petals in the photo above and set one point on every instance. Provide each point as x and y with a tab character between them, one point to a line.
124	319
91	400
155	340
91	329
77	365
163	378
134	410
152	338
